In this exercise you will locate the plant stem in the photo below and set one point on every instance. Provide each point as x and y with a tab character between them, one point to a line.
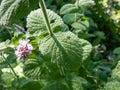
9	66
43	7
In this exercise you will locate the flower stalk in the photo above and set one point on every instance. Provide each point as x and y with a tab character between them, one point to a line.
9	65
43	7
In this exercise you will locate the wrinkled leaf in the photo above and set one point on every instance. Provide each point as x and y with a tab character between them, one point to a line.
14	10
38	69
36	24
65	49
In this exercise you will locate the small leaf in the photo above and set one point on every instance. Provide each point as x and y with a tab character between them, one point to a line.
68	8
82	25
84	3
72	17
117	50
4	45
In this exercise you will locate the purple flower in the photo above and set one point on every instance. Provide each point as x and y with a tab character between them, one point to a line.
24	48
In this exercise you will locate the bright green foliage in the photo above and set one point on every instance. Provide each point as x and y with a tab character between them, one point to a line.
116	71
4	45
36	24
12	11
7	78
112	85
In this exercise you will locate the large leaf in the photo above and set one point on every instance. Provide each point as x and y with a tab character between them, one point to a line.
65	49
14	10
36	23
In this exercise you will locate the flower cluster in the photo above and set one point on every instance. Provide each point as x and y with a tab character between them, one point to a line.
24	48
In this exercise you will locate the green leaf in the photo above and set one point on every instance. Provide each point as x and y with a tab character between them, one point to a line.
54	85
112	85
116	50
32	68
84	3
7	78
99	34
68	8
87	48
36	24
116	71
72	17
82	25
65	49
12	11
4	45
76	83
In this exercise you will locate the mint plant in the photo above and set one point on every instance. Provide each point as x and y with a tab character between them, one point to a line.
59	45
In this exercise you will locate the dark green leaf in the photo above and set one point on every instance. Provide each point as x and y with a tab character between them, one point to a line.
54	85
76	83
